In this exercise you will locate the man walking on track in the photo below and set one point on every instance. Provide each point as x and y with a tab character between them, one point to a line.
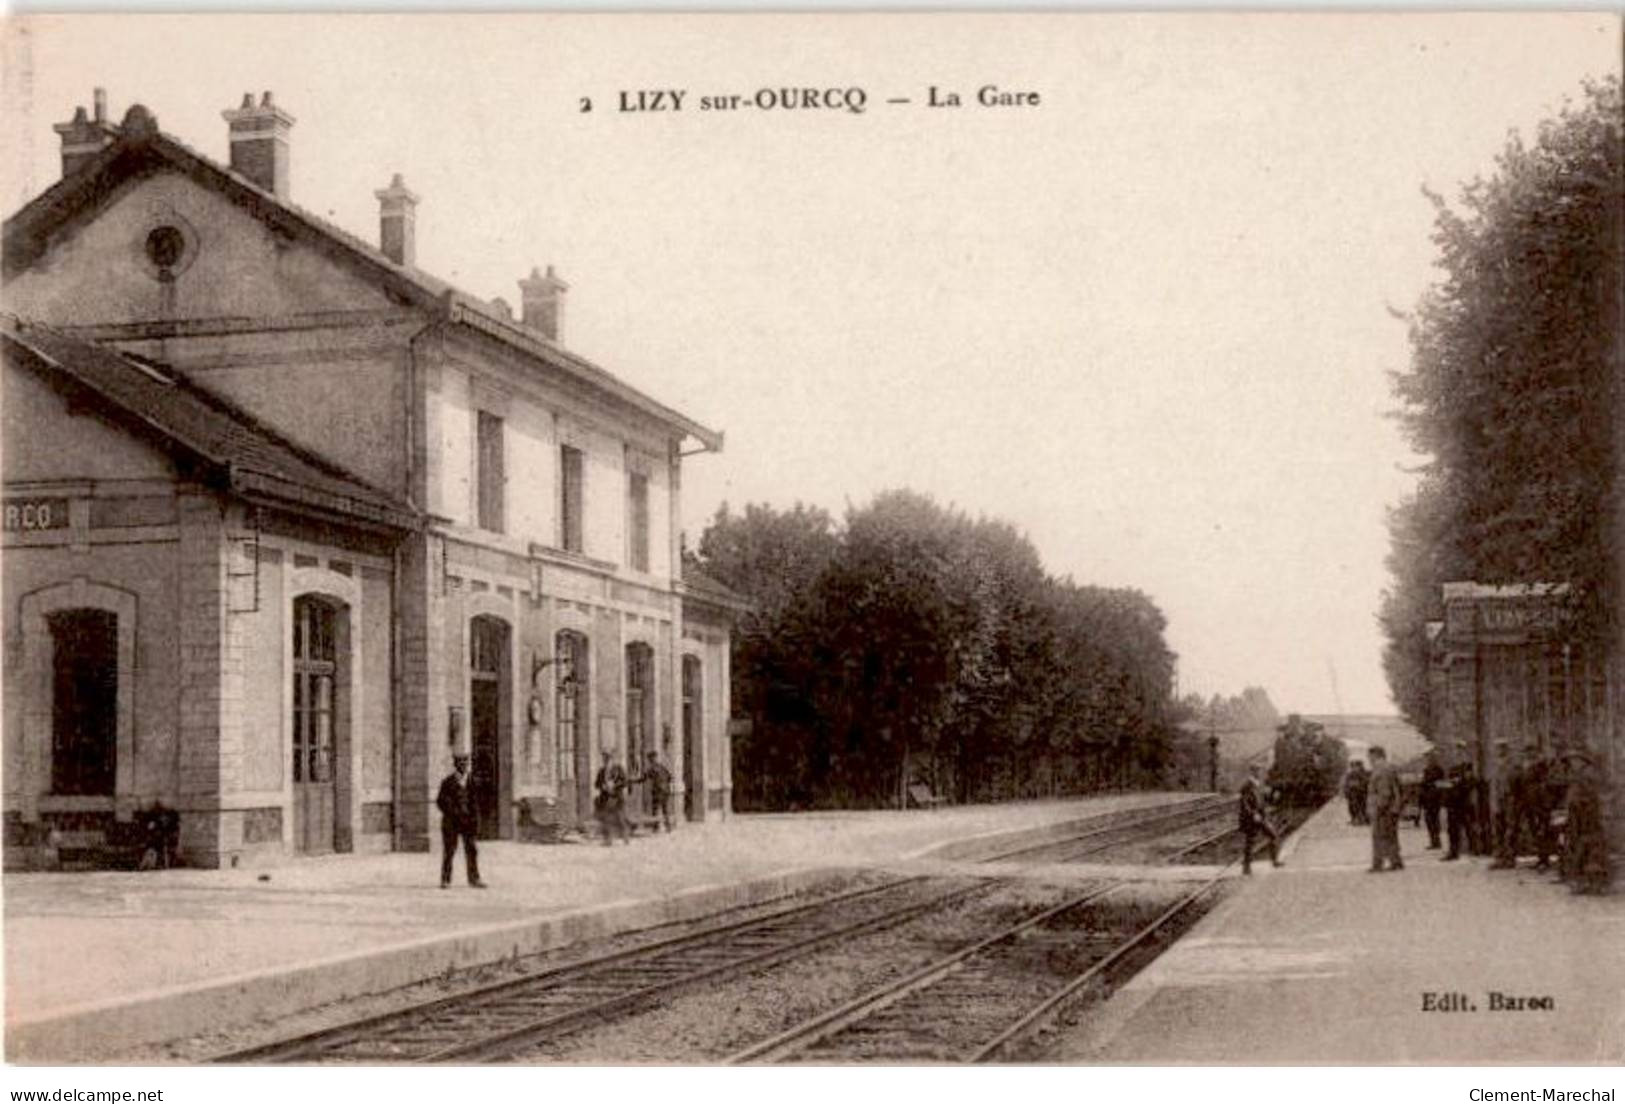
458	820
1255	819
1386	799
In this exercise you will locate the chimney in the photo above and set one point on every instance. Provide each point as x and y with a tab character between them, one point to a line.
397	222
259	143
543	302
85	136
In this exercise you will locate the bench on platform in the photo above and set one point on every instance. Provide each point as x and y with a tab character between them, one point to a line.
921	796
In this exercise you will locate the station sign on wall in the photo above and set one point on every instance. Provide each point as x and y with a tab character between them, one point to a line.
26	515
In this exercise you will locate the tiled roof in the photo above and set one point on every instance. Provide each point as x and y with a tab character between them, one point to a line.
139	149
253	460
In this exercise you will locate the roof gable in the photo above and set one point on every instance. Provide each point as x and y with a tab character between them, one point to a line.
244	456
48	437
142	150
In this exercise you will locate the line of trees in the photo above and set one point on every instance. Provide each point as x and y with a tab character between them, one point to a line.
913	644
1514	391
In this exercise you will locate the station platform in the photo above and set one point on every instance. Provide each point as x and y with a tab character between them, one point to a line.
1322	962
99	963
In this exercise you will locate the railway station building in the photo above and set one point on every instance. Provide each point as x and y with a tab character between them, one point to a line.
1503	669
289	521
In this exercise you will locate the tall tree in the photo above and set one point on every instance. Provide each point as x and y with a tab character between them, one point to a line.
1513	384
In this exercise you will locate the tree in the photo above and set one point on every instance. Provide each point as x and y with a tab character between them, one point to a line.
774	558
913	643
1513	384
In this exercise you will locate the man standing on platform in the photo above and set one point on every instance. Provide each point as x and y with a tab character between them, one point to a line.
1508	794
458	820
1537	804
1255	819
658	775
1386	800
610	802
1432	796
1584	863
1462	784
1355	784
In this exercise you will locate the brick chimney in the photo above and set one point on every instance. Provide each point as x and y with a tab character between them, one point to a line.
259	143
397	222
543	302
85	136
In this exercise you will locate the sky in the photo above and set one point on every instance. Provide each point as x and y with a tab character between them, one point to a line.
1147	320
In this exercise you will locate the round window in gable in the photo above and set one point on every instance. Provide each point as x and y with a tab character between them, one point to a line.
166	245
167	248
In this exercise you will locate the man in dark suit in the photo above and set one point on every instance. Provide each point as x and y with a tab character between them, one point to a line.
1255	820
1431	796
1460	797
610	800
658	776
458	819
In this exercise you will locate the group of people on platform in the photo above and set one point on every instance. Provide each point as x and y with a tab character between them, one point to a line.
459	817
1537	805
609	800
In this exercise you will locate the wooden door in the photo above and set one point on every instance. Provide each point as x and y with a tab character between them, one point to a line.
693	741
487	655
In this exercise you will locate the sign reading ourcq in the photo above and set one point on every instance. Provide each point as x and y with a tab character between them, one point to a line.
29	514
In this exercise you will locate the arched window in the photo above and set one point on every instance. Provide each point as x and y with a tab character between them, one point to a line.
571	650
84	701
693	737
315	672
640	667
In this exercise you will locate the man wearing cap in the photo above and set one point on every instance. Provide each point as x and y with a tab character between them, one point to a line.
1585	853
1462	785
658	776
1255	819
1355	783
1508	796
610	801
1537	804
1386	800
458	820
1431	796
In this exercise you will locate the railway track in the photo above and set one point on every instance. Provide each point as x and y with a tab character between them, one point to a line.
970	1005
497	1020
490	1020
973	1003
1099	843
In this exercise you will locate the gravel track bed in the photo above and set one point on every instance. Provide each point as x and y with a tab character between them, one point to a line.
954	1017
1228	849
1148	852
1036	1046
202	1048
707	1027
